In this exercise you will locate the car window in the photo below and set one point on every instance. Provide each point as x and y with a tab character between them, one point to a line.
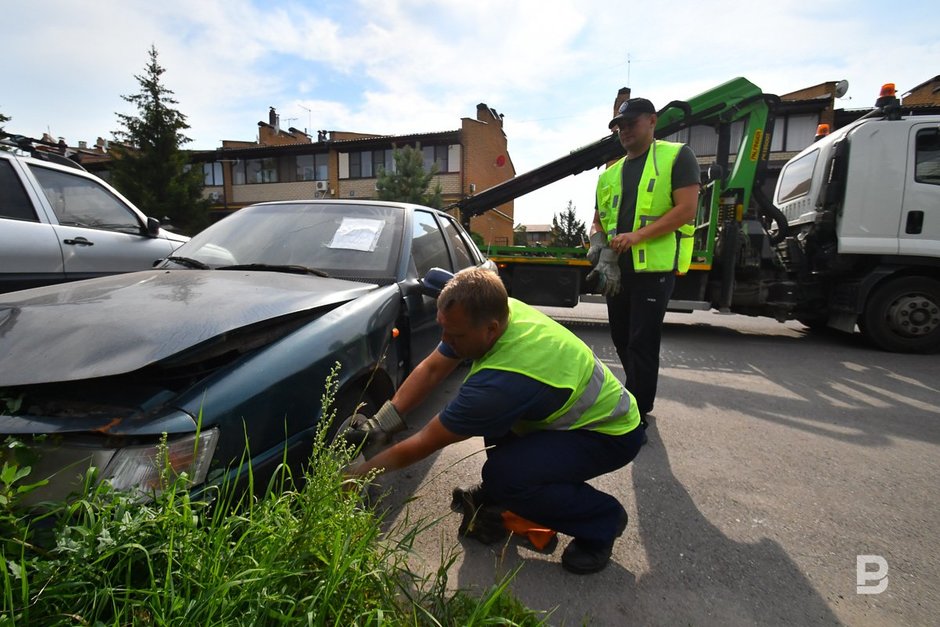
344	240
14	203
79	201
427	244
465	258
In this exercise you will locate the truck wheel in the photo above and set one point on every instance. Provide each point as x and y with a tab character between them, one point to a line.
903	316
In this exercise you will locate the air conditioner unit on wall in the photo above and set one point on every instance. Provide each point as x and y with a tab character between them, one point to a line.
323	186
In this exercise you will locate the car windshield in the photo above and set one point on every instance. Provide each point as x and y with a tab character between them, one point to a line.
343	240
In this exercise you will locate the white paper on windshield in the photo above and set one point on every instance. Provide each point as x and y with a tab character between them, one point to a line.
358	234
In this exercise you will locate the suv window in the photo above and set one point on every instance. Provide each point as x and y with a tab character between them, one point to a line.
14	203
78	201
427	244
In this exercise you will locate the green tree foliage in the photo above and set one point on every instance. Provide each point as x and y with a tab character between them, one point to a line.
567	230
150	168
518	235
409	182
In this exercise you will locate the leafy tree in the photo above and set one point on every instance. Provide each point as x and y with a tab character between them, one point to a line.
567	230
409	182
518	235
149	168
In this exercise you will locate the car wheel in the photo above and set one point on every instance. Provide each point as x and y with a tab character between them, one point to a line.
351	401
903	315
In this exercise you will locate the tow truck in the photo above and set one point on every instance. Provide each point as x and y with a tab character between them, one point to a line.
851	237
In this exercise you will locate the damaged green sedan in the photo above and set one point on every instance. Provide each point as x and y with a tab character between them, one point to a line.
225	346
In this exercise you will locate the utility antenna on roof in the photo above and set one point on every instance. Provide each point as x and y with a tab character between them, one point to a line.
628	69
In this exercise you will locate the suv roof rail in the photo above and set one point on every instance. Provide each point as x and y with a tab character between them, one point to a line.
35	148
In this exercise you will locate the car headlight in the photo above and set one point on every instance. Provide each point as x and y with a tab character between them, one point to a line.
141	466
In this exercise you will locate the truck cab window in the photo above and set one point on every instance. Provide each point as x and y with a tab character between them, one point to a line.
927	169
795	178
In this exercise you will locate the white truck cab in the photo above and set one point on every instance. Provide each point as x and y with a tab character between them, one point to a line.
864	203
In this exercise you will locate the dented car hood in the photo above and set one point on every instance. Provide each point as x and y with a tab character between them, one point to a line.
121	323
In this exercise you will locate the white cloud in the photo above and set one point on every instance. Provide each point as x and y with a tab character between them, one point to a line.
552	67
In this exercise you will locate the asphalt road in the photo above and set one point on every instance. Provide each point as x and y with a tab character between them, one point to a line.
776	457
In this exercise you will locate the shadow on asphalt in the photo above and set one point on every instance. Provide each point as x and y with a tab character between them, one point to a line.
697	574
850	392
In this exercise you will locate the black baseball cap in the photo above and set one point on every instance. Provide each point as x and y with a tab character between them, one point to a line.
632	108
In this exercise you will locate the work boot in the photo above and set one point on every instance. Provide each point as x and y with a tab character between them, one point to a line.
584	557
481	521
483	524
472	496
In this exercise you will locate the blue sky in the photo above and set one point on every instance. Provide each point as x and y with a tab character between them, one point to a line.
552	68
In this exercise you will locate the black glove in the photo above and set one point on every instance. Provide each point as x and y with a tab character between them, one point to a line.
371	435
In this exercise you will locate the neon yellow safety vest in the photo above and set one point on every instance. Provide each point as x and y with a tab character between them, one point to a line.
671	251
536	346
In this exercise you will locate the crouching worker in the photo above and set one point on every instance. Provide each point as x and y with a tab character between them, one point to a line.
551	414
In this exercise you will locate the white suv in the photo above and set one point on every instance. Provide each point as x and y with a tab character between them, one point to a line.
59	223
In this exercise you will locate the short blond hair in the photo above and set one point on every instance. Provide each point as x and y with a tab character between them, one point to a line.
480	292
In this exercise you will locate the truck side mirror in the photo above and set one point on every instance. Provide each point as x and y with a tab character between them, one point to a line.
434	281
714	173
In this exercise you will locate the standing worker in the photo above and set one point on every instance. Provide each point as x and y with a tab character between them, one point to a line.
642	236
551	413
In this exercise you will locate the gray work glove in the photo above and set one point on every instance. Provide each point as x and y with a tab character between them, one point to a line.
598	243
607	272
371	435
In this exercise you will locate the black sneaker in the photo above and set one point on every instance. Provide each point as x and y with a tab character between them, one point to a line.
583	557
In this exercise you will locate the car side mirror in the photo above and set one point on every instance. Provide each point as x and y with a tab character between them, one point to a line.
434	281
153	226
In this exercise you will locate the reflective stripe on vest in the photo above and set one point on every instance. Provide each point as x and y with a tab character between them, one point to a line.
671	251
590	395
536	346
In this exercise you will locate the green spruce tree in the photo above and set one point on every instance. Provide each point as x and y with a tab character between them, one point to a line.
150	168
567	230
409	182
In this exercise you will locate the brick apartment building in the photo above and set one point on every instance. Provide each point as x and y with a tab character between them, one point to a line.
292	165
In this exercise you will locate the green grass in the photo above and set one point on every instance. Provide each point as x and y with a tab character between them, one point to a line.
295	556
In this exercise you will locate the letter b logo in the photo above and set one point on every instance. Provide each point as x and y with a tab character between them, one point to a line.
863	576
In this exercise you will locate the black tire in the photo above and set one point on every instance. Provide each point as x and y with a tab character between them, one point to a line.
351	401
903	315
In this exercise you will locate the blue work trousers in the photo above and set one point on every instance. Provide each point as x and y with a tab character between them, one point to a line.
542	476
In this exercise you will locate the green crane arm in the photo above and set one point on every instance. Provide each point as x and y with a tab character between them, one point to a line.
718	107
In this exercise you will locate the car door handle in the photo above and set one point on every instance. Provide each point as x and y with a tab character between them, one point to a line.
78	241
